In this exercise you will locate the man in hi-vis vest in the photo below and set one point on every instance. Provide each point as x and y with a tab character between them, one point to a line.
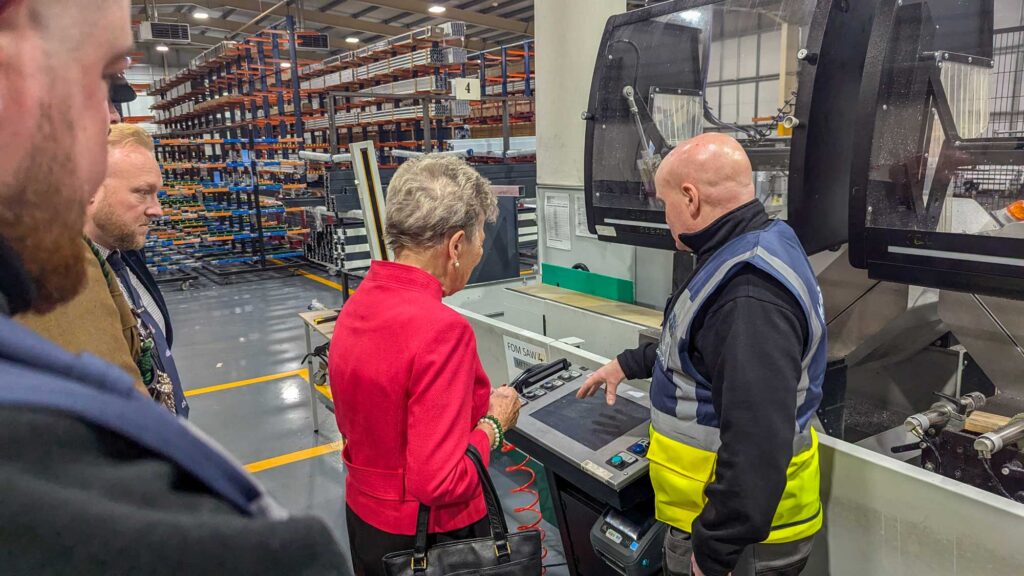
736	379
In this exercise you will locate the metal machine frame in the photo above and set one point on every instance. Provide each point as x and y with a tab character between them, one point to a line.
371	197
962	262
818	159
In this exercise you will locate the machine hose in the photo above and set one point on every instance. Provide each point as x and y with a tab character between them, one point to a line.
533	507
995	479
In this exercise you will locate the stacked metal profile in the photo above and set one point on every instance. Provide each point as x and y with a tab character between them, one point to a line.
415	63
513	87
337	236
227	150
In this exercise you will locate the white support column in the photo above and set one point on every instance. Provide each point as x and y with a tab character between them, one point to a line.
788	65
568	35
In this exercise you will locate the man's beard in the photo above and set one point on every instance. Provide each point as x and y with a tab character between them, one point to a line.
42	212
121	235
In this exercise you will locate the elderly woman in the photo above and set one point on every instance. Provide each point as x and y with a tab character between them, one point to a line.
409	390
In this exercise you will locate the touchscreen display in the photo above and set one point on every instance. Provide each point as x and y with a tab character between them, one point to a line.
592	422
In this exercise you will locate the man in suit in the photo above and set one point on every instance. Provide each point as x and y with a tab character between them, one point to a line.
117	222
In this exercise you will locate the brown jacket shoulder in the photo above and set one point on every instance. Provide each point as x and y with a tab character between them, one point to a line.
98	321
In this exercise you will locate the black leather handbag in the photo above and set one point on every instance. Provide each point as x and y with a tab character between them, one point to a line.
502	554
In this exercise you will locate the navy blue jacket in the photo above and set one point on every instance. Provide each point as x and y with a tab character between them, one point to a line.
98	479
136	262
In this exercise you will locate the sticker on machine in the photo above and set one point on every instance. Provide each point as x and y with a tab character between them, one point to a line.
596	470
520	355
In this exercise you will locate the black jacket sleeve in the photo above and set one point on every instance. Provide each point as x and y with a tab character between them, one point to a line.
638	363
81	500
751	346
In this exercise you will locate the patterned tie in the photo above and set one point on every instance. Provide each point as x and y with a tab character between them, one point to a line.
163	357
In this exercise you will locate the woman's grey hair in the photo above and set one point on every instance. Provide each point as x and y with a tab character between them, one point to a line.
433	195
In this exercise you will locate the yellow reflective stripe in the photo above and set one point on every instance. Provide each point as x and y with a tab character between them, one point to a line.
680	473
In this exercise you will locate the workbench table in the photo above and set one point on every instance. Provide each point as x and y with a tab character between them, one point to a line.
314	324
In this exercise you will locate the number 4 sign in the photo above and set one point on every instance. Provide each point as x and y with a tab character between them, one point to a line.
466	88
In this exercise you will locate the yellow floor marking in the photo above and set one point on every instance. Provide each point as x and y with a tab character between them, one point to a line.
313	277
321	280
325	391
199	391
293	457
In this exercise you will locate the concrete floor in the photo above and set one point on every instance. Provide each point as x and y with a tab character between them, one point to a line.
250	330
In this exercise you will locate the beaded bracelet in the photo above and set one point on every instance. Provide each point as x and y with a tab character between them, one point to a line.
499	434
489	424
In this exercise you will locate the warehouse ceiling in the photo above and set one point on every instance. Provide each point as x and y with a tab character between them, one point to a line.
490	23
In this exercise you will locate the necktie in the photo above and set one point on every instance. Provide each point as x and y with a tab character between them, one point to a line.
164	359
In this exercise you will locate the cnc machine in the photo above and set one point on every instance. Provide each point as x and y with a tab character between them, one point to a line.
889	135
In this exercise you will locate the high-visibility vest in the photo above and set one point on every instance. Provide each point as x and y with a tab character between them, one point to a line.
685	434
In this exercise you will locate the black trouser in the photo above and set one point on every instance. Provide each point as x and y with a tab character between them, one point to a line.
370	545
787	559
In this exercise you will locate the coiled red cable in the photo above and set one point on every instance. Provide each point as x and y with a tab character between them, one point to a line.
533	506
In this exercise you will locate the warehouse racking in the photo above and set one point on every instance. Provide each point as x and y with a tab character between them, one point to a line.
401	102
239	199
228	145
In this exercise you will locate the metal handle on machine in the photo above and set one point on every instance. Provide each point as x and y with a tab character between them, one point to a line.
907	447
630	95
650	159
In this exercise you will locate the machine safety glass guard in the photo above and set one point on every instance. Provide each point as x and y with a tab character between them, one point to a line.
748	68
937	195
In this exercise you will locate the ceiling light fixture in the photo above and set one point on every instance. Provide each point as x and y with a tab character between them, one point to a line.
162	48
435	9
200	14
352	40
286	64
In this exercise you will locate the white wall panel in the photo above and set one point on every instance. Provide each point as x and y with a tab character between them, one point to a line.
730	59
714	98
728	111
770	46
747	102
768	98
1008	13
715	62
747	56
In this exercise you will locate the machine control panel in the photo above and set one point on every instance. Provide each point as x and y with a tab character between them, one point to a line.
622	460
608	443
544	387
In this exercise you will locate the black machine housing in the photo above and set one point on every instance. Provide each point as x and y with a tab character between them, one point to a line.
899	188
954	457
656	58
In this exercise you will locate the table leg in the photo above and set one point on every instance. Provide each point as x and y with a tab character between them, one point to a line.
310	371
344	286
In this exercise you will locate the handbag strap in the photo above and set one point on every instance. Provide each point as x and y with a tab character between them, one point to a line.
495	516
499	529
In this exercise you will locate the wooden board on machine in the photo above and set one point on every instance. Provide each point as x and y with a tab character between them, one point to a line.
516	130
984	422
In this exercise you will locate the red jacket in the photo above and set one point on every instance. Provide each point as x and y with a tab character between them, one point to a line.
408	392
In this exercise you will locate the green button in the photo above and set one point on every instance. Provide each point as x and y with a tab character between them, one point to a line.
616	460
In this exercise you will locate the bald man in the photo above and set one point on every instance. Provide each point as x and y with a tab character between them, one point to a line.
736	379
